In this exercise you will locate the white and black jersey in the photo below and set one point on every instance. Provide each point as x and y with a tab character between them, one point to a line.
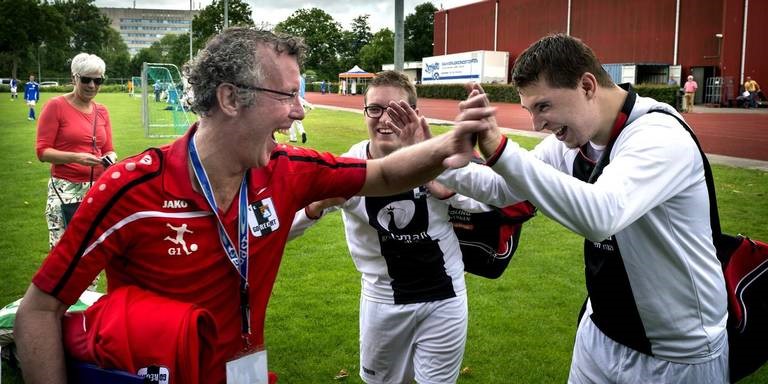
403	245
651	201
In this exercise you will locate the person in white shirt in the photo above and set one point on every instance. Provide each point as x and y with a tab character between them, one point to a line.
413	305
656	309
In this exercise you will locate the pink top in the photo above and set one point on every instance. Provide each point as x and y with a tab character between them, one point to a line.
690	86
63	127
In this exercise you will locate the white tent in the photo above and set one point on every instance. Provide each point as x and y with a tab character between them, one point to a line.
349	79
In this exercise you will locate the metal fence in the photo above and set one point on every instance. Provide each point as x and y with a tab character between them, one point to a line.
713	91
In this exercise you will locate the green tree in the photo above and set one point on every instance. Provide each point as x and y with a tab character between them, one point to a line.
115	54
24	26
418	30
173	49
145	55
321	34
210	20
353	41
381	50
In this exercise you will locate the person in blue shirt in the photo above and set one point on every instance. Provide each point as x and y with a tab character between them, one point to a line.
14	88
31	95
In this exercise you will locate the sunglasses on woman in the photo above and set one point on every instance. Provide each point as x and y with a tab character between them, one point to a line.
87	80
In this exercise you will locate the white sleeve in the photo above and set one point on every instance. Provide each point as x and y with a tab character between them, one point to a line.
468	204
301	222
644	172
481	183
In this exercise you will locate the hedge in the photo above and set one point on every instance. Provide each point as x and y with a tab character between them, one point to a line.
507	93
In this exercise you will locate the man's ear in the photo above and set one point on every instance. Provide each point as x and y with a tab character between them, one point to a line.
588	84
226	95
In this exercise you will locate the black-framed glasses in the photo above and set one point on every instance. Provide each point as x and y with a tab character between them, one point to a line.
374	111
290	97
87	80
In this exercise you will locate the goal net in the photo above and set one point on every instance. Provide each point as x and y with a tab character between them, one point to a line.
163	112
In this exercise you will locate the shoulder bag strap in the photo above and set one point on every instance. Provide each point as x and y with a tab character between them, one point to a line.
93	139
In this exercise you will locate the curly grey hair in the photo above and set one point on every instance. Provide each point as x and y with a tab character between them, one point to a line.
232	57
85	63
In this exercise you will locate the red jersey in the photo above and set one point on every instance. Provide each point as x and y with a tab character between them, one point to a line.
144	224
63	127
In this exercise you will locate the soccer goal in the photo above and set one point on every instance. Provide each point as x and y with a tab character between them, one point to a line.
163	112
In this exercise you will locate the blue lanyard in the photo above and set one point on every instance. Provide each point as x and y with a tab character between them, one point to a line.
238	260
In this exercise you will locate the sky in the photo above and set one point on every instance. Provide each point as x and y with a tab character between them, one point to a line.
382	12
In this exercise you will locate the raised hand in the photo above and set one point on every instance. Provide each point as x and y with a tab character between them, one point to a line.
405	122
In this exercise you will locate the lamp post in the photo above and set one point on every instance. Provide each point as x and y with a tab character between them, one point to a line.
190	30
39	72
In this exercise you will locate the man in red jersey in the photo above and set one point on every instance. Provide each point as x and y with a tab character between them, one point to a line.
204	221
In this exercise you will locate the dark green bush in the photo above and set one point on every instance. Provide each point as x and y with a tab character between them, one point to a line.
507	93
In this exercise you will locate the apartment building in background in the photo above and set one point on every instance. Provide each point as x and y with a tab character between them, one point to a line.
139	28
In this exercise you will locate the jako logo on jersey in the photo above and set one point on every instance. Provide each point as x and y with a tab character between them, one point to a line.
262	217
154	374
179	240
175	204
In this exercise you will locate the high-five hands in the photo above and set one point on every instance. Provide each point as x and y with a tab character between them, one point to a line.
477	99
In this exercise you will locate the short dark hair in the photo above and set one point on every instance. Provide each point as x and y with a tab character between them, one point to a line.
233	56
393	79
559	59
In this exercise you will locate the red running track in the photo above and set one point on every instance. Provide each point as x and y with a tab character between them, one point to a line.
743	135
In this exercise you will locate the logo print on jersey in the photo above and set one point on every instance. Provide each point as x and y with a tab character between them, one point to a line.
262	217
175	204
155	374
396	215
146	160
179	240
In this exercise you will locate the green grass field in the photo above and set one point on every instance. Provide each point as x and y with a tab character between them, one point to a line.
521	326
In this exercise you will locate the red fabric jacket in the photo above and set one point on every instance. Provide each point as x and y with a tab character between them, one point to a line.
130	329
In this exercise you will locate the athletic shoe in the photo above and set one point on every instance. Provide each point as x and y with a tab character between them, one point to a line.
30	119
303	138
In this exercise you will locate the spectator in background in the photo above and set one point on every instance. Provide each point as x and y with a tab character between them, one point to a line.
297	128
74	134
14	89
322	87
689	90
753	88
158	88
130	88
31	96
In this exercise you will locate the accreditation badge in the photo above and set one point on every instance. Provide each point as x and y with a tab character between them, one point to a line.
262	217
248	369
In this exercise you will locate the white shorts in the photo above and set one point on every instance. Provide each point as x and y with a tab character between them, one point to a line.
400	342
31	103
599	359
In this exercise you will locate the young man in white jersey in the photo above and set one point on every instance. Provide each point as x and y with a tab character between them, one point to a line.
656	310
413	305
